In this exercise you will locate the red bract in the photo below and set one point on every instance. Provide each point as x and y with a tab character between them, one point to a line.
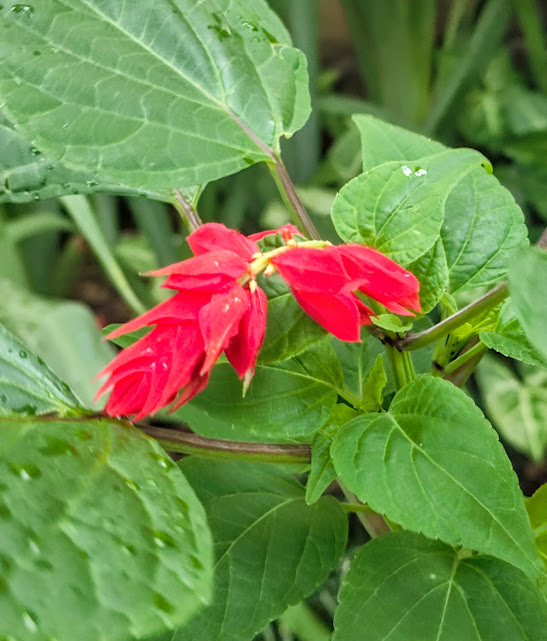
211	313
324	282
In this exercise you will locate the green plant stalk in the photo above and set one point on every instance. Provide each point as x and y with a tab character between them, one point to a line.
188	443
488	33
460	375
373	523
81	213
464	357
530	22
187	212
482	304
398	362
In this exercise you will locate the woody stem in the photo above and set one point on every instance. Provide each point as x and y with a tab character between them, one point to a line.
188	443
290	197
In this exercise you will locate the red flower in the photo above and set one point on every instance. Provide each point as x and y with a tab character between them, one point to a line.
211	313
323	281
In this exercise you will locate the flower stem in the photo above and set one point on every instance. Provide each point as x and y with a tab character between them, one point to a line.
401	366
482	304
188	213
465	356
290	197
188	443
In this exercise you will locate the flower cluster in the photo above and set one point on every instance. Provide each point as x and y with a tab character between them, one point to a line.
219	308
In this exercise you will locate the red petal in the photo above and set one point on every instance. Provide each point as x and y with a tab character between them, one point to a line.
287	230
181	307
339	315
194	387
312	270
206	271
385	277
243	349
219	322
214	236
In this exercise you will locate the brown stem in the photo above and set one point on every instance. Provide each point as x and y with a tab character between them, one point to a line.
188	443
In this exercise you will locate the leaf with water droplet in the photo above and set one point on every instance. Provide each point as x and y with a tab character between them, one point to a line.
80	524
29	387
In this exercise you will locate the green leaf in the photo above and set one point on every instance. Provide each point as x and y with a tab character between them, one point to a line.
482	228
286	402
290	330
101	536
528	287
62	333
391	322
383	142
126	340
27	174
431	271
27	385
508	339
271	549
434	465
399	208
537	511
183	94
322	472
373	389
403	587
516	405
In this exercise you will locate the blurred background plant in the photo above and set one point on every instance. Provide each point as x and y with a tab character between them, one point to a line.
465	72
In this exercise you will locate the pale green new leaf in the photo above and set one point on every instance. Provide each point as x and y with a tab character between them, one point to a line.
528	287
101	536
399	208
27	385
516	405
434	465
404	587
509	339
537	511
286	402
152	95
271	549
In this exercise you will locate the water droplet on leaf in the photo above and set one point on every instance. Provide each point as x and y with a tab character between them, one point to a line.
26	9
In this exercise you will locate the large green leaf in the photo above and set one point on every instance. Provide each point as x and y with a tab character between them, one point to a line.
271	549
101	537
431	270
483	226
508	338
537	510
27	385
286	401
27	174
528	286
152	95
404	587
62	333
516	405
434	464
290	330
399	208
